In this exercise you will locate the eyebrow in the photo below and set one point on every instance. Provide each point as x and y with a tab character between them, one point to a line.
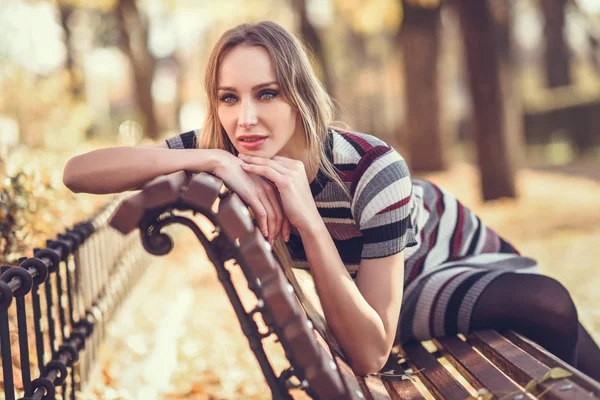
261	85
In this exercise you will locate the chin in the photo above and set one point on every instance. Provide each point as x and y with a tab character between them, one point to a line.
264	153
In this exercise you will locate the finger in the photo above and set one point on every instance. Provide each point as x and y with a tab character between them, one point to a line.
285	224
285	230
271	217
266	172
260	214
271	193
266	162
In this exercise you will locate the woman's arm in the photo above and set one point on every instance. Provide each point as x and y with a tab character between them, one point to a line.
118	169
363	317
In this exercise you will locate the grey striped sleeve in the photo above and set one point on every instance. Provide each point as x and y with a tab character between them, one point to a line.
187	140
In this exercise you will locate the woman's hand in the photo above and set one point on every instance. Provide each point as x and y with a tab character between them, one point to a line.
258	193
290	178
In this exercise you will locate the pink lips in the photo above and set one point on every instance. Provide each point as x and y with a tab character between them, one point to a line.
252	145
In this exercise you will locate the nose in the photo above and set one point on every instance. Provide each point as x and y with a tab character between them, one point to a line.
248	115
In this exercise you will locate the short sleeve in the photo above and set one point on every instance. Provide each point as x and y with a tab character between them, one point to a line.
187	140
382	202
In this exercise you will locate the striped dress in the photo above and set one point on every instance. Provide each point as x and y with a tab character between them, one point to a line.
450	254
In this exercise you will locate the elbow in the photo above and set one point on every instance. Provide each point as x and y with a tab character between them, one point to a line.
369	365
70	177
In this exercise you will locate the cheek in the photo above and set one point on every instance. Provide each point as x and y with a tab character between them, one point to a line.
225	117
285	115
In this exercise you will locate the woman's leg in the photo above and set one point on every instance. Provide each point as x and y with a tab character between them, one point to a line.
540	308
588	354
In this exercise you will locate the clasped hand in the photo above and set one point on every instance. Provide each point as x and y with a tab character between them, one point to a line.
276	190
289	177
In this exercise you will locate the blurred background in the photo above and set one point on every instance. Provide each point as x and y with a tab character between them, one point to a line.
496	100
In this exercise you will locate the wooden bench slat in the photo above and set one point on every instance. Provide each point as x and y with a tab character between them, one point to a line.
522	367
129	214
164	190
159	192
356	391
398	387
233	217
402	389
202	192
374	386
552	361
479	372
257	260
434	376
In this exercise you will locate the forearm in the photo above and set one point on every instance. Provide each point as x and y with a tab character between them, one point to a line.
119	169
356	326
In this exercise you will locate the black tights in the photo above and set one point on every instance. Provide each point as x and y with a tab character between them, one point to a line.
541	309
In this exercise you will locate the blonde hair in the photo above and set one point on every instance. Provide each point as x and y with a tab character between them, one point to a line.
303	90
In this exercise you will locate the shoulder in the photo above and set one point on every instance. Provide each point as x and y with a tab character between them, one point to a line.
350	147
369	157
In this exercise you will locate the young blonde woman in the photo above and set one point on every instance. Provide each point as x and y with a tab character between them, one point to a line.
393	258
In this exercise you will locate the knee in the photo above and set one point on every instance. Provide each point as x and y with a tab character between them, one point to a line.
552	302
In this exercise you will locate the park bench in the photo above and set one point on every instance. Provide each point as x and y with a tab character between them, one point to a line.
503	365
97	266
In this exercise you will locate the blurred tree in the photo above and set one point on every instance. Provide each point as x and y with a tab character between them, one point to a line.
556	55
362	28
496	164
594	41
76	83
310	35
503	15
420	42
134	35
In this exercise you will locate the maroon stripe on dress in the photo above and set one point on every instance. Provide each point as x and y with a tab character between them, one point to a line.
366	146
365	162
397	204
457	237
346	176
340	231
435	301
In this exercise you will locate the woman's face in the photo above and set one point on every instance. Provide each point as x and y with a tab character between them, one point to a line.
251	107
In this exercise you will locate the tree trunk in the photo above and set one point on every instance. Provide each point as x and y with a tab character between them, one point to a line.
419	39
556	55
489	105
311	37
359	100
75	82
503	11
135	45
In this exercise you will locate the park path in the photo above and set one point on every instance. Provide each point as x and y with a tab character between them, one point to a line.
177	337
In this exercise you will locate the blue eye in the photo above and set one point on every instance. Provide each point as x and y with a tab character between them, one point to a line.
228	98
268	94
